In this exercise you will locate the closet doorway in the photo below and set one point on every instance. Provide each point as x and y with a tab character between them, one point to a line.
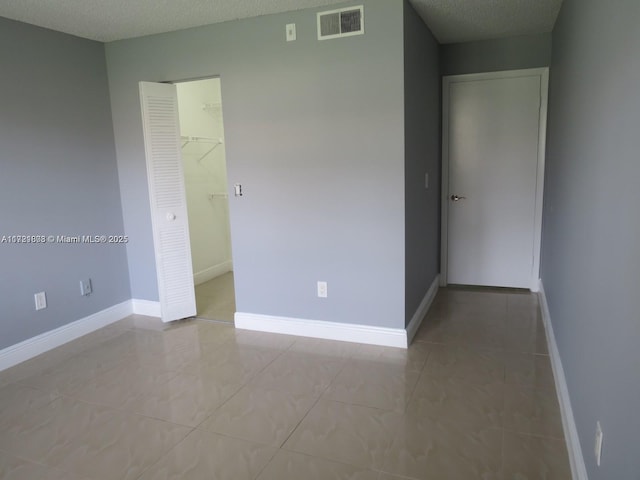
206	186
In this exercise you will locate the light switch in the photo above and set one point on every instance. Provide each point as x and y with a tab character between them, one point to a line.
291	32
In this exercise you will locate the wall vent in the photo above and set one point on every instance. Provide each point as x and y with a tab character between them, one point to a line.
343	22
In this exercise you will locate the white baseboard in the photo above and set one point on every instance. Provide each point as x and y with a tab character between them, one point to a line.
212	272
578	468
44	342
145	307
346	332
422	310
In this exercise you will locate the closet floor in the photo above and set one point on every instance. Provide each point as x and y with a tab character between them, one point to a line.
216	299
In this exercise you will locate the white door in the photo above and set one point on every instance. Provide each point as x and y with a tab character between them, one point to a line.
168	200
493	167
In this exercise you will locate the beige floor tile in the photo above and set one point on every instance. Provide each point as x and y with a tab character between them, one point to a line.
184	335
253	358
120	386
412	358
206	455
71	373
226	373
473	295
216	334
529	370
166	359
36	434
493	308
318	346
373	384
22	370
535	458
430	449
263	416
299	373
128	343
458	401
466	363
351	434
289	465
526	339
526	301
14	468
524	317
468	331
186	399
531	411
388	476
122	447
476	373
142	322
16	400
248	338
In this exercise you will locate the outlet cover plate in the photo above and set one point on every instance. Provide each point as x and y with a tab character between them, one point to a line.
41	300
322	289
85	287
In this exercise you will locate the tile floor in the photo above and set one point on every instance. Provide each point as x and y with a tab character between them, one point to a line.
216	299
472	398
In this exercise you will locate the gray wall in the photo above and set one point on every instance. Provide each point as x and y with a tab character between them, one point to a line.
314	131
57	176
512	53
591	231
422	155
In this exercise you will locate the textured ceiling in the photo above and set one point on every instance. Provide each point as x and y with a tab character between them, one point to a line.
453	21
107	20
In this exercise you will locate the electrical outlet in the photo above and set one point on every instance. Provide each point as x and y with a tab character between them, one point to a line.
41	300
322	289
85	287
598	446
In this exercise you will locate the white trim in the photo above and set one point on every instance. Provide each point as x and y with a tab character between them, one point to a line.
542	146
422	310
578	468
146	307
346	332
44	342
543	73
212	272
444	187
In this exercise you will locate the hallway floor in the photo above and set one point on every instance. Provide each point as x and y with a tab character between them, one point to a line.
216	299
472	398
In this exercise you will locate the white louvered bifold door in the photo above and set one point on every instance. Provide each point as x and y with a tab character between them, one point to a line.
168	200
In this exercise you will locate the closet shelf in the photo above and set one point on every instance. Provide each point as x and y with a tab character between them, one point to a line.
186	140
218	195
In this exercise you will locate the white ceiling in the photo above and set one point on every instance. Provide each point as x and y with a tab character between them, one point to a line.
107	20
453	21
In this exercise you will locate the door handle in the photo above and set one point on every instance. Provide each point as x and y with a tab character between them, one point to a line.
455	198
171	216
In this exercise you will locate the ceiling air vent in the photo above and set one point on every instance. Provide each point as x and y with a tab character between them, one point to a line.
341	23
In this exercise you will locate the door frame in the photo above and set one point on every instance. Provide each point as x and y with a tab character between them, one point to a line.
447	81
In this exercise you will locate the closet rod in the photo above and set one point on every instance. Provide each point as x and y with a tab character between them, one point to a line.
216	141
